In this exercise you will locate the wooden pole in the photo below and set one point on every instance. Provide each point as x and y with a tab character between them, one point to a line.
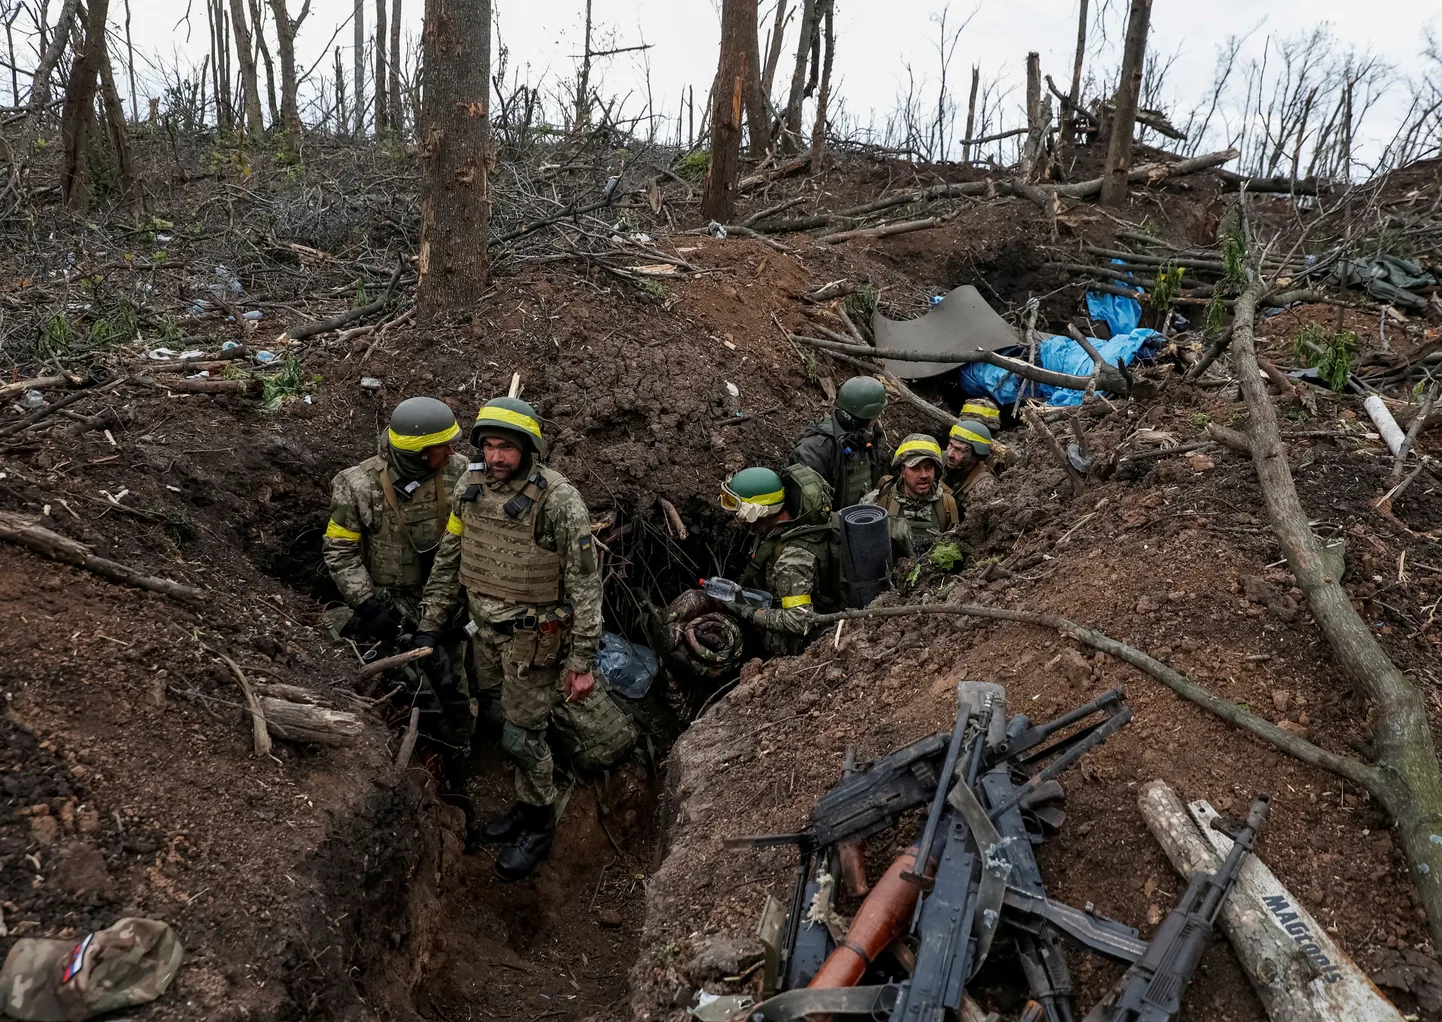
968	151
1129	87
1068	124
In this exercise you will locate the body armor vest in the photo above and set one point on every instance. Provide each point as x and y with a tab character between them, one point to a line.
393	547
499	554
940	514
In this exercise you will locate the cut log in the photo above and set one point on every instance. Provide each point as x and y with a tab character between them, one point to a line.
1298	971
306	724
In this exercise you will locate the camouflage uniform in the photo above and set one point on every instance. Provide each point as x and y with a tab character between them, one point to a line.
367	550
915	522
972	482
534	590
852	464
797	562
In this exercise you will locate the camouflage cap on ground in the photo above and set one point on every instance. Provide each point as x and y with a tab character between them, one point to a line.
129	963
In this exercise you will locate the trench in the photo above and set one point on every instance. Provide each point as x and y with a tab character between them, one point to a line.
434	932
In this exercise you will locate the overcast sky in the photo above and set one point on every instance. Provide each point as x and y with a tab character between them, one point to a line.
876	38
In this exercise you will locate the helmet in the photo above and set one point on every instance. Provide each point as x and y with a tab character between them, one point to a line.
862	397
421	422
983	409
753	494
512	419
974	435
916	448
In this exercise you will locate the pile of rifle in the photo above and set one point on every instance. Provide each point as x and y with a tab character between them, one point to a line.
968	883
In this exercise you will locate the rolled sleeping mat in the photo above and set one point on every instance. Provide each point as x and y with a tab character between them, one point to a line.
866	551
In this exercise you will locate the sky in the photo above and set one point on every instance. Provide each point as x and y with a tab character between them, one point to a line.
876	39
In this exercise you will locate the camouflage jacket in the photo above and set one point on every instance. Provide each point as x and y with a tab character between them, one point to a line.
914	522
364	547
974	483
563	526
795	571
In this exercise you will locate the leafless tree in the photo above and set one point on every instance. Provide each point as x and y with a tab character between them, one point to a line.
285	30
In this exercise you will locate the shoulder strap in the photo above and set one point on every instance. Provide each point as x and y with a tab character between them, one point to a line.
949	510
390	491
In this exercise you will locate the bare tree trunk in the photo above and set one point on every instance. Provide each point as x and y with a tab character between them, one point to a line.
455	142
1068	124
582	115
773	51
1129	87
117	130
398	120
14	68
250	81
49	57
1301	135
129	64
360	68
1407	778
79	110
823	96
342	119
285	30
1036	154
718	199
257	18
798	73
1347	130
758	118
382	113
968	150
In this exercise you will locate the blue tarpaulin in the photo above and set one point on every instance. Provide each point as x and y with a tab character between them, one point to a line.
1059	354
1120	314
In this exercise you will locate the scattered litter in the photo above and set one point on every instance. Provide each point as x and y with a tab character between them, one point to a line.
34	399
307	400
191	353
253	315
641	238
718	1008
204	374
716	230
370	383
628	668
732	389
265	356
230	346
197	307
160	354
226	281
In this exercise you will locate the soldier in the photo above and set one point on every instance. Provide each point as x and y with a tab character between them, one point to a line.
519	541
796	555
919	505
967	450
846	447
387	517
985	411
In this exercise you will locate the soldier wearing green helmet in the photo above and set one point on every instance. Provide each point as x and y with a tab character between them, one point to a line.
795	556
847	447
387	517
518	544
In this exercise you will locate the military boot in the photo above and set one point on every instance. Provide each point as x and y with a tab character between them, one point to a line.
508	826
531	847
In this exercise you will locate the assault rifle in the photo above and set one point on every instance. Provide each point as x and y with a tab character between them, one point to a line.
1151	990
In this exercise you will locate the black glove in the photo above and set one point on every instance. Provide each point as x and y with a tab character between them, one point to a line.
379	618
438	665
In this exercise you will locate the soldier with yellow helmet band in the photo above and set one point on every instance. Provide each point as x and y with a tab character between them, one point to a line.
918	503
969	445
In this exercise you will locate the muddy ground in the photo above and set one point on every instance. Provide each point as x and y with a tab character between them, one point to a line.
319	884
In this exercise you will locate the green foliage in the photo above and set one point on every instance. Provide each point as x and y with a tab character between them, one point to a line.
169	329
947	556
693	165
811	367
859	305
282	387
914	574
1329	353
1166	288
360	294
1234	256
652	289
1200	419
1213	318
56	336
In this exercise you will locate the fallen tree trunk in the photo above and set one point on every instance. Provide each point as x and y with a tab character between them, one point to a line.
1012	365
1406	778
1297	970
37	538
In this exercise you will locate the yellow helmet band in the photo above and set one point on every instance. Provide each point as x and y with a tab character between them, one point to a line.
959	432
506	417
982	411
420	443
919	447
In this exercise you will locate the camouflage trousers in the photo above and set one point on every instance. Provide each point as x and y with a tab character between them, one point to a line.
593	734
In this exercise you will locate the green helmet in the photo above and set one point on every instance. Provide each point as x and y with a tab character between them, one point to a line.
916	448
754	493
512	419
862	397
974	435
421	422
983	408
